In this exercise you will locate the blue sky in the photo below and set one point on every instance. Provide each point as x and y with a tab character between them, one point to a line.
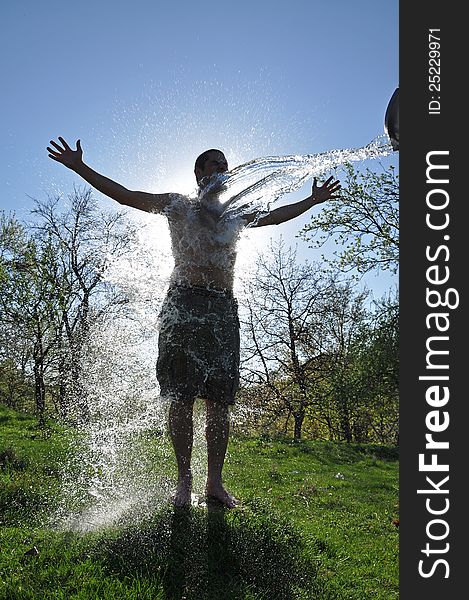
148	85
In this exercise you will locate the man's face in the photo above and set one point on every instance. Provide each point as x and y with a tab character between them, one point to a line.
215	163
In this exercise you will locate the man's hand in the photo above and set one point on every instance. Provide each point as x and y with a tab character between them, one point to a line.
328	191
65	155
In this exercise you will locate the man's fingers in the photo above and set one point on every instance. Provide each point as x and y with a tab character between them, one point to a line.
53	157
52	151
65	145
328	184
56	146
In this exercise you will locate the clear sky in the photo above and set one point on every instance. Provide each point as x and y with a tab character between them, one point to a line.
148	85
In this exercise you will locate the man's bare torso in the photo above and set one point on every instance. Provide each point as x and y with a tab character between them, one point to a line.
203	242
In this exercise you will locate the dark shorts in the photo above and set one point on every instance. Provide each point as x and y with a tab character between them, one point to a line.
198	345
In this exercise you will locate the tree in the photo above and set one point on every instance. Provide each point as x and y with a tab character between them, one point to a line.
27	299
334	328
376	354
364	222
360	396
53	286
315	353
295	334
16	390
87	242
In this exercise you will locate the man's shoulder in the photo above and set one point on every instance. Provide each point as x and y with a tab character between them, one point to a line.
178	204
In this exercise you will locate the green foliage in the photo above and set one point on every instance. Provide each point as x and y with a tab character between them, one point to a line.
364	222
16	390
52	286
319	362
30	315
376	359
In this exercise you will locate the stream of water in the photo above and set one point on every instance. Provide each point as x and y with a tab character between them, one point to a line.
255	186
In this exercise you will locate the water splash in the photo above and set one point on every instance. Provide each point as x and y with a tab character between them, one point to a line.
255	186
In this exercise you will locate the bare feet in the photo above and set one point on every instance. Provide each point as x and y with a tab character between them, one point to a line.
218	494
182	497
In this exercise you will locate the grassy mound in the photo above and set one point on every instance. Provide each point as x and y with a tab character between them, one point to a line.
317	520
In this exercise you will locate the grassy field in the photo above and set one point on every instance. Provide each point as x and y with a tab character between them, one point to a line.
317	520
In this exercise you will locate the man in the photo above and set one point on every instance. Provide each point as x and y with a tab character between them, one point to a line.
199	333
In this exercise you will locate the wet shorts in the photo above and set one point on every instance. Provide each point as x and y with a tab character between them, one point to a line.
198	345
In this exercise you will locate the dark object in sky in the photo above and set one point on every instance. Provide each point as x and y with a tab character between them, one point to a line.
391	120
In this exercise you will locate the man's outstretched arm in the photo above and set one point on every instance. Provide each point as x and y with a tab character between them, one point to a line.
328	191
73	159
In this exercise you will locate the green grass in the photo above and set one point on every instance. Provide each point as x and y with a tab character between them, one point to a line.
316	521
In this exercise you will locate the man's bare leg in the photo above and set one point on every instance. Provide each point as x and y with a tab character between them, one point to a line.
181	432
216	433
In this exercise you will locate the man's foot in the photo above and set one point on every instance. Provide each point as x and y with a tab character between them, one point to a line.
182	497
218	495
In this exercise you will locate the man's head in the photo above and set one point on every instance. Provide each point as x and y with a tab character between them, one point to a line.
210	162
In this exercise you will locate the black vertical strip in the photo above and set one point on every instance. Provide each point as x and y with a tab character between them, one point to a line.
433	299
